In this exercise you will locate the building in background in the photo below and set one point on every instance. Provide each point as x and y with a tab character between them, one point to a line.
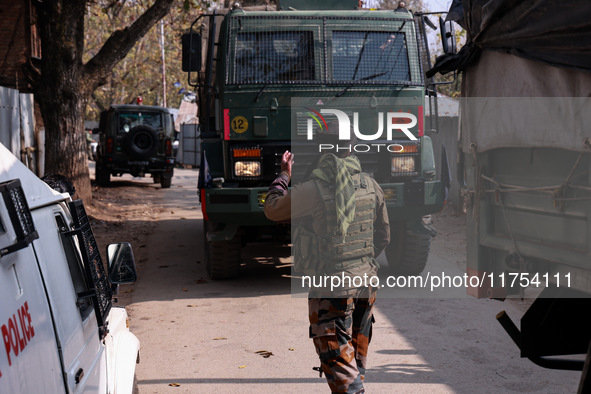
21	128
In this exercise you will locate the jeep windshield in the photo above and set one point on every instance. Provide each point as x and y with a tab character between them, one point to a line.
130	119
310	50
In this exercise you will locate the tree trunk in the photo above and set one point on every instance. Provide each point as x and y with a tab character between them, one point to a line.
65	142
62	93
63	85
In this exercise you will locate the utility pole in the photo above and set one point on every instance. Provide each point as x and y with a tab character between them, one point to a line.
163	63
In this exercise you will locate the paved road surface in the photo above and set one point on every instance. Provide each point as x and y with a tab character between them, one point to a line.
204	335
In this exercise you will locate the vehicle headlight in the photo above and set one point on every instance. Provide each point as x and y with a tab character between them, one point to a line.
247	168
402	164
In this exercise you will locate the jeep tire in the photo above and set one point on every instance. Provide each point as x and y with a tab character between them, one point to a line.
408	251
102	177
222	258
142	141
165	182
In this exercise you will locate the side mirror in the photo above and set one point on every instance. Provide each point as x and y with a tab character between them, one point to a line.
448	36
191	43
121	264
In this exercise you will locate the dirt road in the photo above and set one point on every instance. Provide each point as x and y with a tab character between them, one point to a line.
250	335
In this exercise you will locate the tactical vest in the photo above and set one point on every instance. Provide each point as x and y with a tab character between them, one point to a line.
329	252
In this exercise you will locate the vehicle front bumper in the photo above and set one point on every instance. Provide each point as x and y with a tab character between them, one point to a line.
410	200
150	165
245	206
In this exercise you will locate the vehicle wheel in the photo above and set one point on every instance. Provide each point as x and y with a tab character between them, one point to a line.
142	141
102	177
408	251
222	258
165	182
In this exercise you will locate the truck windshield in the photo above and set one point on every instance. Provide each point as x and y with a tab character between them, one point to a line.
364	55
128	120
282	56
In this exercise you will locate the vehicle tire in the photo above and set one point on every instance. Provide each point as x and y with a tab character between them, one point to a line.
222	258
142	141
408	251
165	182
102	177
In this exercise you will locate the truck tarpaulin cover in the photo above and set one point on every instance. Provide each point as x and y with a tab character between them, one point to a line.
526	79
556	32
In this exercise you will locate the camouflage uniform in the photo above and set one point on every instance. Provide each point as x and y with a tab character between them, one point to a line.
340	324
341	330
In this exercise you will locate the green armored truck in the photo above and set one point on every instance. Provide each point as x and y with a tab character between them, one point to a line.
267	76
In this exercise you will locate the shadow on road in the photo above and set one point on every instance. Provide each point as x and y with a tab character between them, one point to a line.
174	267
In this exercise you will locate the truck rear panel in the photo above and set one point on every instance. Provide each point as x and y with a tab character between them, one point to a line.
527	164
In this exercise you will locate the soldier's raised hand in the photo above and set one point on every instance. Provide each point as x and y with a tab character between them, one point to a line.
287	162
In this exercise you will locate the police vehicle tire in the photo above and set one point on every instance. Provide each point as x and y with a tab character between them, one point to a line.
142	141
222	258
408	251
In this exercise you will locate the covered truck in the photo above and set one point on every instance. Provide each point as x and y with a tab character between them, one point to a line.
525	166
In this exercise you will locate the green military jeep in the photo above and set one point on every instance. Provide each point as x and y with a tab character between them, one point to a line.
136	140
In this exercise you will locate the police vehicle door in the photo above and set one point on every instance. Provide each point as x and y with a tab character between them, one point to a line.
70	296
29	355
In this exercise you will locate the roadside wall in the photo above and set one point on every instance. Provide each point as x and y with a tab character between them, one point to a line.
10	120
17	127
447	135
189	152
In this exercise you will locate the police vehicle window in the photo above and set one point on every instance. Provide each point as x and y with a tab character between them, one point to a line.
267	57
75	265
128	120
369	56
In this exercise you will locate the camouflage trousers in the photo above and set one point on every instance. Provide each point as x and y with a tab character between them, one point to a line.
341	331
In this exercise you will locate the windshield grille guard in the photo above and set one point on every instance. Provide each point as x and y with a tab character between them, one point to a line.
382	56
96	275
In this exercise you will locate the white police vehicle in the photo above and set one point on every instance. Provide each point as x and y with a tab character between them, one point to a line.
59	332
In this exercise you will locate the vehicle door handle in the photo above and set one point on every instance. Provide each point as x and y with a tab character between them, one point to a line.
79	376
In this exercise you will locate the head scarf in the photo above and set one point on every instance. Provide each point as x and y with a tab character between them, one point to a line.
338	172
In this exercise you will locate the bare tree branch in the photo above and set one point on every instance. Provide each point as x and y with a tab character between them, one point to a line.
121	41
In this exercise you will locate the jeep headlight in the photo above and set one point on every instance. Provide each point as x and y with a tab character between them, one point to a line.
247	168
402	164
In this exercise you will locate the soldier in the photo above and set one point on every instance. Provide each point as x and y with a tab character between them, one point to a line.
339	209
